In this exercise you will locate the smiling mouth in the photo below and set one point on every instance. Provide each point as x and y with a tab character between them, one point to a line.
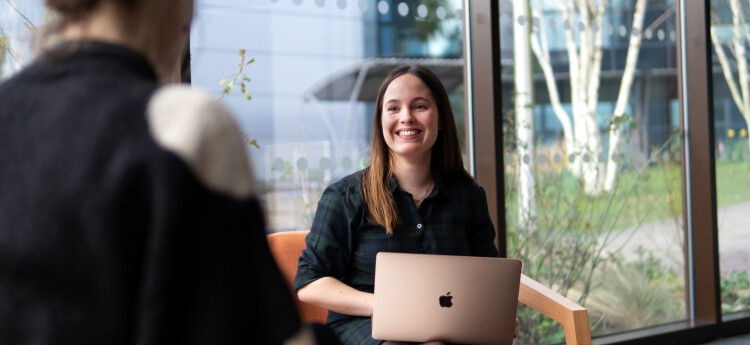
408	132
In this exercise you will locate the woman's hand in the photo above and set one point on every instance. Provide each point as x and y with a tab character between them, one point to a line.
517	328
332	294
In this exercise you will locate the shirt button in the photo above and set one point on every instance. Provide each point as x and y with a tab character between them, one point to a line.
419	226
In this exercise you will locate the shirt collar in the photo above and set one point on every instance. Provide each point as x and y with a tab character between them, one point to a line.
393	185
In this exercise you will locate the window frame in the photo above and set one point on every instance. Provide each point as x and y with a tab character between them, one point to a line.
706	322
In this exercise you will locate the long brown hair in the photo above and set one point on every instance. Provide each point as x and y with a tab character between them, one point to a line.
446	159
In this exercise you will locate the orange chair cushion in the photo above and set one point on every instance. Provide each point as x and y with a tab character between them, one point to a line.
286	248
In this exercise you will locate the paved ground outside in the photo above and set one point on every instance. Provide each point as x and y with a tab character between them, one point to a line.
663	238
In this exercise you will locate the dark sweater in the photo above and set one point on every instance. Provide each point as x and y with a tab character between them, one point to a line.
108	237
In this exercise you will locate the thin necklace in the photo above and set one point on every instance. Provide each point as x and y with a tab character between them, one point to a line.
426	192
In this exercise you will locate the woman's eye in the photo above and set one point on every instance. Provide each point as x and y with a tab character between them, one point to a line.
420	106
392	109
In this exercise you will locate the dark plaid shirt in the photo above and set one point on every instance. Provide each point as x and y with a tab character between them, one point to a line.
452	220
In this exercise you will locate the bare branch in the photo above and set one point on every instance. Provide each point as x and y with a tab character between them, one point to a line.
572	52
542	30
20	14
727	70
739	49
628	74
8	49
598	48
668	13
554	94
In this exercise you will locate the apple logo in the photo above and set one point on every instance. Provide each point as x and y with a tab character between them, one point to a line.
445	301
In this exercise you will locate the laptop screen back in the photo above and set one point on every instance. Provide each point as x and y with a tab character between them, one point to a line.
453	299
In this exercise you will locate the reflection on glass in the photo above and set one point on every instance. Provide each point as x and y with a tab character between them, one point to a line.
729	37
308	95
592	160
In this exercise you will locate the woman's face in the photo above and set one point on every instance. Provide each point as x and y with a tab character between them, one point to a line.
409	118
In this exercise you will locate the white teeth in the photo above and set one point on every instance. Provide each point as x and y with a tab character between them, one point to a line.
408	133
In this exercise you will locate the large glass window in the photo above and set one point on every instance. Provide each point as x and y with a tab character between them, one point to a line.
590	126
592	159
307	97
731	96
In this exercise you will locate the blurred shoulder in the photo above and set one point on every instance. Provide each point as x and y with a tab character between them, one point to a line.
200	131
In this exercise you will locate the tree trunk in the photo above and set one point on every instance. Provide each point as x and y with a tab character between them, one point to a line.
628	74
583	24
738	22
741	94
524	113
541	52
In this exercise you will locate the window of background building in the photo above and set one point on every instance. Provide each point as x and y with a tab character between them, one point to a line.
731	97
317	66
592	160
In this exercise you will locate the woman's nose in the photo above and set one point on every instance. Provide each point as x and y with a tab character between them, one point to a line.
407	116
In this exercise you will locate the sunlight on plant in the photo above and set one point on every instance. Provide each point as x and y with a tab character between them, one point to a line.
575	236
735	292
237	79
636	294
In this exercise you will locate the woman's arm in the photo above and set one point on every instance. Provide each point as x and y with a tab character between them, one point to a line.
332	294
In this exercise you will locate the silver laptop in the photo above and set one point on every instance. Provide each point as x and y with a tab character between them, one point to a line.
453	299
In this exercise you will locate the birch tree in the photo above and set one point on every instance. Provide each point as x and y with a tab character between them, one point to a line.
524	113
740	88
583	23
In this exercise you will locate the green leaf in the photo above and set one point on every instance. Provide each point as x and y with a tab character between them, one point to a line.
227	90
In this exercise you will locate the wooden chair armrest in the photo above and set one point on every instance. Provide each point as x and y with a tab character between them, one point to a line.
573	317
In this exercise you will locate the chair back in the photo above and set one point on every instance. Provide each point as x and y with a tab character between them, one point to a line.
286	248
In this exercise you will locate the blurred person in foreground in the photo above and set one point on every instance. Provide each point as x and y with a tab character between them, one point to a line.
128	213
414	197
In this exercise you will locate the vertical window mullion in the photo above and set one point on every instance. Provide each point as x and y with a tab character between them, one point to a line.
696	109
483	51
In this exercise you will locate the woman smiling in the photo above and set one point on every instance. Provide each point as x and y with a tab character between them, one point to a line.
414	197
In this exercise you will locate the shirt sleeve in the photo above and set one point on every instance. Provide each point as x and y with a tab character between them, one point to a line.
328	250
482	232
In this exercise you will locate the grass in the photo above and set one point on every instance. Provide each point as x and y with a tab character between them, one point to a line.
732	182
564	249
640	196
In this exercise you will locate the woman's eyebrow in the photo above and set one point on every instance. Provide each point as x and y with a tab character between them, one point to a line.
423	99
415	99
